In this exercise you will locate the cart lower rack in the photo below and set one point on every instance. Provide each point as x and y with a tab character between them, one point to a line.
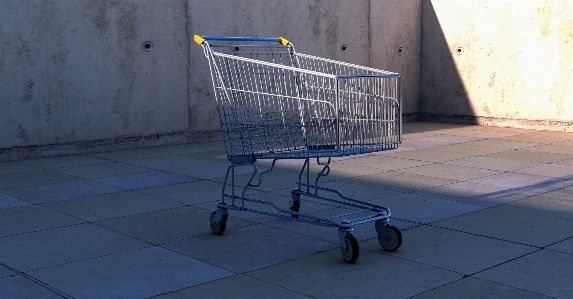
275	103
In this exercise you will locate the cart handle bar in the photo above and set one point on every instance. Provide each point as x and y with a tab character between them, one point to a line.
281	40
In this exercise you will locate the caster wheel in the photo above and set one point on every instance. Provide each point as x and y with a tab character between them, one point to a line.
218	229
395	239
295	208
351	254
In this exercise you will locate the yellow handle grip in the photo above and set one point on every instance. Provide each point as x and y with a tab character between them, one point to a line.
198	39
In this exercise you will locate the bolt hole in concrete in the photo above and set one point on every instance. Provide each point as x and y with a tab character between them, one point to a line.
237	49
343	48
147	45
459	50
400	50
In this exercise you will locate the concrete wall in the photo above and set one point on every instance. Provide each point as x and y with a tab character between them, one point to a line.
396	44
80	76
76	75
505	63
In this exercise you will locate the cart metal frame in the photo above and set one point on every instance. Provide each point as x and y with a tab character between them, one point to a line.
275	103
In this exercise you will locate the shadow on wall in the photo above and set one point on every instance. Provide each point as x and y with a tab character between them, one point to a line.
439	101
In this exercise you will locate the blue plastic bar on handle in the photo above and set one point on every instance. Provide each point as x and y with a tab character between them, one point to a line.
200	39
241	39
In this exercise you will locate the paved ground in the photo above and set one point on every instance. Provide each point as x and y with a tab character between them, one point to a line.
485	212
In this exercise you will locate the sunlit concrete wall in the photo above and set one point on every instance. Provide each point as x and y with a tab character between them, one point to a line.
504	63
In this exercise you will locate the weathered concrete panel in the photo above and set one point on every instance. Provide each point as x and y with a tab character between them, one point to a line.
498	62
315	27
396	45
75	71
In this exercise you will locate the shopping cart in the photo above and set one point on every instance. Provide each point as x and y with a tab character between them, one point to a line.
275	103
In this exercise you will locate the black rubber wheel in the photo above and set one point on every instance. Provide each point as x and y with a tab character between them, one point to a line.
395	239
218	229
350	255
295	208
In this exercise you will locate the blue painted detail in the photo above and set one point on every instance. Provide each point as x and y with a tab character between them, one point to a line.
242	39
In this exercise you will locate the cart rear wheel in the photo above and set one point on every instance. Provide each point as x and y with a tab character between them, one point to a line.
295	208
395	239
220	227
351	254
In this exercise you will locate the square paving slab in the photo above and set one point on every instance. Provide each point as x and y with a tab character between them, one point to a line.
32	218
133	274
168	225
250	248
374	275
239	286
52	247
544	272
453	250
112	205
475	288
61	191
513	226
18	287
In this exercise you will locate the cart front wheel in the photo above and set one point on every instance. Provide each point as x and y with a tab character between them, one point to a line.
220	227
395	239
350	255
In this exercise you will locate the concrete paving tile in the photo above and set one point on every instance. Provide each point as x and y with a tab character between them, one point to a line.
383	162
492	163
424	209
5	272
562	172
32	218
430	155
125	155
112	205
531	156
191	193
218	155
374	275
486	146
209	170
435	140
552	204
399	181
565	191
239	286
452	172
475	288
565	162
7	201
60	191
33	178
477	194
26	252
138	273
452	250
63	161
513	226
168	162
480	134
558	148
18	287
523	182
195	147
168	225
565	246
539	137
16	166
250	248
144	180
101	170
551	275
